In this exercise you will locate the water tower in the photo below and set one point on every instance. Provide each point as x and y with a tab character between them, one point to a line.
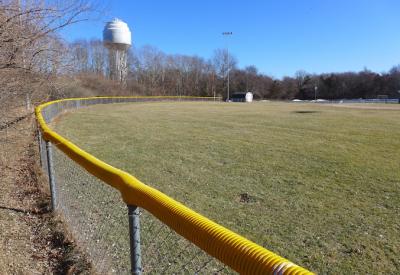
117	39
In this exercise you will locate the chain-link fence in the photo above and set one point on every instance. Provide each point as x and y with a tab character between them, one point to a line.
98	219
121	239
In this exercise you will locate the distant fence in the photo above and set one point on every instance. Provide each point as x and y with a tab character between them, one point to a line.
355	100
162	236
367	100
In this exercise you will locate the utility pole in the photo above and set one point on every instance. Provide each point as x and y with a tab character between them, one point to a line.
227	51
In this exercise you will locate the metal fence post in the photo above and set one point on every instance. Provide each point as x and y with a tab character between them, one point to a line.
40	147
134	239
50	169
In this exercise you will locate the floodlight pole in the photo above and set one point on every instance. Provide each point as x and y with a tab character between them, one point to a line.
315	93
227	51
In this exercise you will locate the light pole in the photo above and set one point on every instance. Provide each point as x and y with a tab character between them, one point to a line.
315	93
227	51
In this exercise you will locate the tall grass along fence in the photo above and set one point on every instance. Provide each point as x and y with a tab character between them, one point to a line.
126	226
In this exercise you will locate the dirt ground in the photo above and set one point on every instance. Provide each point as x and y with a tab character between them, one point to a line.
32	240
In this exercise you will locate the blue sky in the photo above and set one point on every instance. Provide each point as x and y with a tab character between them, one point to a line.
278	37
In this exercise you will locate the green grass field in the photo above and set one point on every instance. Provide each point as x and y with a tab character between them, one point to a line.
317	184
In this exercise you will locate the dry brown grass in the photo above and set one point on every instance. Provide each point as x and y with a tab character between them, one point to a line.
32	241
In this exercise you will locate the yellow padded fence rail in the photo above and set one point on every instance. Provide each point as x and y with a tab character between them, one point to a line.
230	248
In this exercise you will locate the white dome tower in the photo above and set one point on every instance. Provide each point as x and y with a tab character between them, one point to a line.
117	39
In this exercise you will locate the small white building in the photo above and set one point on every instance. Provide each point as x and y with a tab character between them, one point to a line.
242	97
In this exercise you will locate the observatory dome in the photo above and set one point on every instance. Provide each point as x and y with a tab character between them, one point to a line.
116	32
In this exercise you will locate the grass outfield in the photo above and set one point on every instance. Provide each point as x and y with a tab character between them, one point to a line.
317	184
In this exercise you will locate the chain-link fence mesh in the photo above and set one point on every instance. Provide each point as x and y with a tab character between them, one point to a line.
43	154
94	213
97	217
165	252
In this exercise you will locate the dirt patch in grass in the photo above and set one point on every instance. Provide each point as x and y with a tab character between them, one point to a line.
246	198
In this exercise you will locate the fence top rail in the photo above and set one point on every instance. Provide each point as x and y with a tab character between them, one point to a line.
230	248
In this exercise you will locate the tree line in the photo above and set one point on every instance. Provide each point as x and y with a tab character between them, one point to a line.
32	54
153	72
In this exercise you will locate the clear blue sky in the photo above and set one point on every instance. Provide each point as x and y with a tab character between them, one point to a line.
279	37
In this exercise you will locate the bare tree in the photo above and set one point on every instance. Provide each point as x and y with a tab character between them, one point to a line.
31	52
220	60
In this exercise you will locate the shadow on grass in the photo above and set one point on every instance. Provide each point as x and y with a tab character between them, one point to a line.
306	112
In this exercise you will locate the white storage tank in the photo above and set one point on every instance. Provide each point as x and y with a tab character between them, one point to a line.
117	33
117	39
